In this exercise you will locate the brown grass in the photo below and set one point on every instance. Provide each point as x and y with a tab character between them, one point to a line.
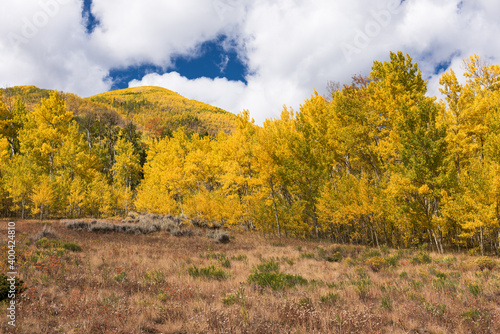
121	283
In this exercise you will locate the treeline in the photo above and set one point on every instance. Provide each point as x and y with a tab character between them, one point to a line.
377	162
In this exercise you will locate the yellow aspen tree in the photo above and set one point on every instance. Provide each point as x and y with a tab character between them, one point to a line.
42	196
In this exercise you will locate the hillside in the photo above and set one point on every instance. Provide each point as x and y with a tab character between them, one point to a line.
158	110
154	110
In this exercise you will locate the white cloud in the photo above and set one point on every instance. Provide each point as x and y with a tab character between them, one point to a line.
219	92
289	46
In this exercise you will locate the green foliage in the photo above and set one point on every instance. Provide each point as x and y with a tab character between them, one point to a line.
210	272
474	288
267	275
268	266
121	277
6	286
46	243
422	257
386	302
485	262
330	298
229	299
376	263
276	281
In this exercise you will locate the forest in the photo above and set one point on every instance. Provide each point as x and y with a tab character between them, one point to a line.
376	162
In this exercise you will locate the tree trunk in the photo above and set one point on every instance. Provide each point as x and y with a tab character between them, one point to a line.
275	210
481	240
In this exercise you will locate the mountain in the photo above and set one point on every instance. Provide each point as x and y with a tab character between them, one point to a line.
154	110
157	109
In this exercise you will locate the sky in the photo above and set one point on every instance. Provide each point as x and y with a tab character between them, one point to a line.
258	55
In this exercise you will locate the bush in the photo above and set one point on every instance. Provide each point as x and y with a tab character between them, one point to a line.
369	253
72	246
45	243
77	225
276	281
210	272
101	227
221	237
5	286
44	233
229	299
329	298
376	263
269	266
336	257
485	262
422	257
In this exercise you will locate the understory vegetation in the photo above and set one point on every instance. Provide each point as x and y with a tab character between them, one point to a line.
79	281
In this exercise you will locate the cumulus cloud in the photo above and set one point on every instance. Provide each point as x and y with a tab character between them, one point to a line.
290	47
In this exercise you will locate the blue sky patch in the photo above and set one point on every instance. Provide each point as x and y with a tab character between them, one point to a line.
213	60
90	21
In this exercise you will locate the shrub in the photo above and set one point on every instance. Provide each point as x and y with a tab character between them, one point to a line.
46	232
5	286
474	288
307	255
330	298
369	253
485	262
229	299
336	257
376	263
72	246
276	281
269	266
221	237
422	257
210	272
121	277
392	260
45	243
77	225
386	302
101	227
182	233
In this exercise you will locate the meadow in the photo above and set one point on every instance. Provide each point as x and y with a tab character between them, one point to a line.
170	281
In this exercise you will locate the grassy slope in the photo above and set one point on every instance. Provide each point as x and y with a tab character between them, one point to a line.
123	283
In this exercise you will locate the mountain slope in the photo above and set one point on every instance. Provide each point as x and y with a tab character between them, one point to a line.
154	110
157	110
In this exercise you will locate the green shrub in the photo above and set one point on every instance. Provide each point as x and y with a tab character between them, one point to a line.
369	253
269	266
239	257
46	243
121	277
485	262
229	299
276	281
474	288
474	315
422	257
335	257
5	286
392	260
376	263
210	272
330	298
307	255
386	302
72	246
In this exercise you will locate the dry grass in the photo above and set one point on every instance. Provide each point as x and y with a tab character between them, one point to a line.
124	283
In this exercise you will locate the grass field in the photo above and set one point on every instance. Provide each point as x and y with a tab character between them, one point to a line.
160	283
